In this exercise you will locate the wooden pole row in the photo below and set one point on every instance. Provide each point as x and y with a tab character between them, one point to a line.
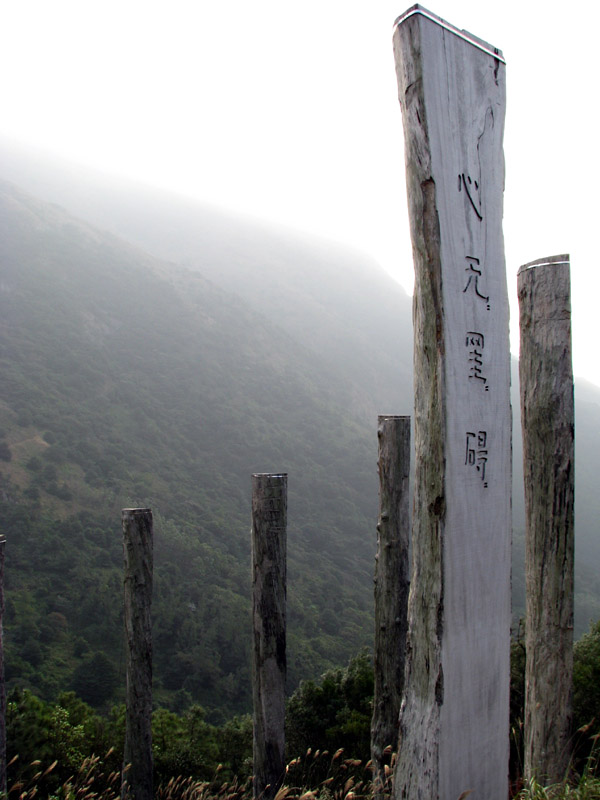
547	414
269	524
548	433
441	649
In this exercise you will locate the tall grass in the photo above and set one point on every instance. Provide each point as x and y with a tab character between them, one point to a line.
315	776
90	782
576	787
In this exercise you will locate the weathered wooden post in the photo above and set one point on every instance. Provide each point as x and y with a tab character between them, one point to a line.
269	524
454	726
391	589
547	414
3	786
136	781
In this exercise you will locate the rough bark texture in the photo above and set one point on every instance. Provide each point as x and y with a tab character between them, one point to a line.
2	684
138	563
416	773
269	523
547	414
391	590
453	729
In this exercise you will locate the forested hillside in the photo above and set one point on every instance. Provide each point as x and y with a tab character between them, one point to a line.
130	382
163	371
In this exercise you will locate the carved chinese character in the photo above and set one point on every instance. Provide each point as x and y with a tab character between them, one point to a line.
473	281
471	189
476	453
475	342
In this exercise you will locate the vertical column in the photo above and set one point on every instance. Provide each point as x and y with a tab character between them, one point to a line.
136	779
269	525
391	590
454	716
547	414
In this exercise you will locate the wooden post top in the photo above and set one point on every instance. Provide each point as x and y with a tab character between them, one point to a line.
262	480
480	44
549	261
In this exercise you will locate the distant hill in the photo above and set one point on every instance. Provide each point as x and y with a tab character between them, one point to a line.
162	371
335	301
127	381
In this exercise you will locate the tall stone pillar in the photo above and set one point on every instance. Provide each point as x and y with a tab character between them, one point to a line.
454	719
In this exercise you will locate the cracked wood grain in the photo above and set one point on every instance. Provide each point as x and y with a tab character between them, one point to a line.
136	780
269	527
391	590
547	414
453	722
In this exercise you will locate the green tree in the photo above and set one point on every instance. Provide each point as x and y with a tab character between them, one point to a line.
95	679
333	713
235	746
184	745
586	680
28	722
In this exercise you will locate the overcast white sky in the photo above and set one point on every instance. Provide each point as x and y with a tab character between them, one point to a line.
290	111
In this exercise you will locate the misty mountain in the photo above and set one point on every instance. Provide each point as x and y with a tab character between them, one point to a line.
337	302
162	371
128	381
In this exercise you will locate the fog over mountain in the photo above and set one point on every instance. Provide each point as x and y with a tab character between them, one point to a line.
156	351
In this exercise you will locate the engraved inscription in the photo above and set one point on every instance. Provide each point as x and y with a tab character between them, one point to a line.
471	189
474	288
473	280
475	342
476	453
